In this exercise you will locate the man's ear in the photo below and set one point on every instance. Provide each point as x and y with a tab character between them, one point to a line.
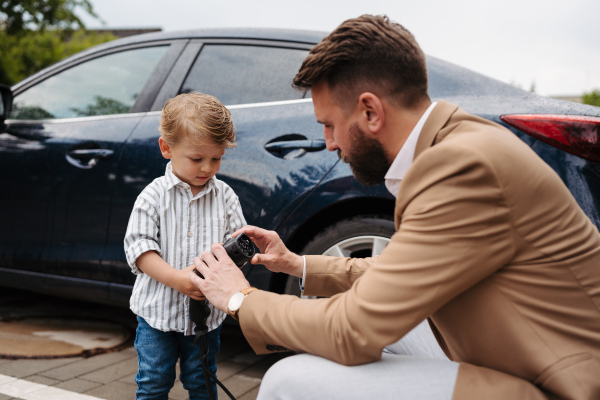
372	111
165	149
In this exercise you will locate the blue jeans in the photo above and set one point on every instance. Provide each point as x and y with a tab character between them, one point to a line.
158	352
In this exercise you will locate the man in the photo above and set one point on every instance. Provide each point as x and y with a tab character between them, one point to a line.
490	247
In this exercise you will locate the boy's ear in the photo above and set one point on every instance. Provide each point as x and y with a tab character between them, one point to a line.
165	149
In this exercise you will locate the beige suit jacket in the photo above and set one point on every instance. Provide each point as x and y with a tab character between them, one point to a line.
490	246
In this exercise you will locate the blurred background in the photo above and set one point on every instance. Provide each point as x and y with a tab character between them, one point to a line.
545	47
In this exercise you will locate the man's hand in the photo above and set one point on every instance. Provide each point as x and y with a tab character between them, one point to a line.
275	256
222	278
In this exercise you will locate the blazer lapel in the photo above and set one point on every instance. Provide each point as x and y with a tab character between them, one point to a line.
436	121
430	134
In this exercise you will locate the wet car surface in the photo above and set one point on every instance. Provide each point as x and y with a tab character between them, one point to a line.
80	143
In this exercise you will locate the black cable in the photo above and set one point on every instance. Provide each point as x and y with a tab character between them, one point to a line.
240	249
203	355
199	312
206	371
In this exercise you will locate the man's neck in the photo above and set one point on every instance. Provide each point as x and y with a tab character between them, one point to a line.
400	122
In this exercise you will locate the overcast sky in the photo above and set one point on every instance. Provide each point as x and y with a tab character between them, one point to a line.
554	45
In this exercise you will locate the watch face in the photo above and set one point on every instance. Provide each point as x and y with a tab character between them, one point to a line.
235	302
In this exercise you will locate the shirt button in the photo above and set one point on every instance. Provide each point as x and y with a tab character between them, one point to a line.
186	187
187	301
190	234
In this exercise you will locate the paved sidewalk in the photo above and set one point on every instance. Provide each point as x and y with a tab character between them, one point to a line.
110	376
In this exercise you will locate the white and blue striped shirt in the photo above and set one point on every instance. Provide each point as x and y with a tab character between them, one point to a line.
166	218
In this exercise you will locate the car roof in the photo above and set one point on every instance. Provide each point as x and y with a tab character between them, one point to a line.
275	34
265	34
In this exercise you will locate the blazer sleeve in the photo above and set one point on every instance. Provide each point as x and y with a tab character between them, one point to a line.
455	231
327	276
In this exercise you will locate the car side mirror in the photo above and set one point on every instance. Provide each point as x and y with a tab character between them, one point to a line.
6	98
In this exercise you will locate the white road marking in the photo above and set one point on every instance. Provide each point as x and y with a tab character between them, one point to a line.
25	390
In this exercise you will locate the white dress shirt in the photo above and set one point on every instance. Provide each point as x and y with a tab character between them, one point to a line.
166	218
405	156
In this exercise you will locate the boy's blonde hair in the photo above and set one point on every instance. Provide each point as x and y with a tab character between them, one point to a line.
196	116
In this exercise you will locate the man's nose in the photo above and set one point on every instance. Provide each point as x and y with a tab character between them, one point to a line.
329	142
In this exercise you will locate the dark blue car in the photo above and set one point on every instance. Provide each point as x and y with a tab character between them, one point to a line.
79	141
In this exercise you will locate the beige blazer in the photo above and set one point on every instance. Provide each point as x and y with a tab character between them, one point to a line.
490	246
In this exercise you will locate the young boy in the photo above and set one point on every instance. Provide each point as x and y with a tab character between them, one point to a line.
174	219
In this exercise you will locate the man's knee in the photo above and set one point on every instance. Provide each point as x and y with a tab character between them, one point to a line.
287	378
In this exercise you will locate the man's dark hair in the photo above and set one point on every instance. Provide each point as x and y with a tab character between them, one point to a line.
368	53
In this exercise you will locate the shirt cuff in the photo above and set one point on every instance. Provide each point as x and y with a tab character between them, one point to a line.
303	275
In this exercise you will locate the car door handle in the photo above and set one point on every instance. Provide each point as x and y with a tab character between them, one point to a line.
87	158
293	146
287	145
91	153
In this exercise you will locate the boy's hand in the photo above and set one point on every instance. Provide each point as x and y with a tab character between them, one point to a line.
184	285
275	256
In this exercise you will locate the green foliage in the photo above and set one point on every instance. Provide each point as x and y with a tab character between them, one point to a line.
35	112
28	53
103	106
37	33
592	98
20	16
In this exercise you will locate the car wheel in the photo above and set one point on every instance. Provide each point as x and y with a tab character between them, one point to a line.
357	237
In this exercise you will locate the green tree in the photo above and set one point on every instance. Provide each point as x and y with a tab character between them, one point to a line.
20	16
103	106
592	98
25	54
37	33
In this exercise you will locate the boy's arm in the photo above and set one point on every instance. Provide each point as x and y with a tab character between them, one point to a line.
143	230
235	216
142	249
158	269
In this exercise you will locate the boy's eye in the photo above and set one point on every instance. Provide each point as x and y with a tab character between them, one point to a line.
196	159
217	159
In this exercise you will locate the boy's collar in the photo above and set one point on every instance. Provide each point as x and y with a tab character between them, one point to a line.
173	180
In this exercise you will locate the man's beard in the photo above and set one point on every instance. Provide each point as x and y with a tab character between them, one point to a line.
368	160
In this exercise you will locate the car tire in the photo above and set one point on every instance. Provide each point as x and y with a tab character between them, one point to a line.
357	237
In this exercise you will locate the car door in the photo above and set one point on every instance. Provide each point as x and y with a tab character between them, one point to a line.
281	152
59	154
280	156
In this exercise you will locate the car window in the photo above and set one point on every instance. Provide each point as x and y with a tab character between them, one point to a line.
245	74
104	85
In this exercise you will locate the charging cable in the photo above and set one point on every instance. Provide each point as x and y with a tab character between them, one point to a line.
240	249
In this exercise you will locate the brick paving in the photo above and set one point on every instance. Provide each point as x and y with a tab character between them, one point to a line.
111	376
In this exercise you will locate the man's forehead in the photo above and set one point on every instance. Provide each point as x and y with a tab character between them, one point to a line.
323	101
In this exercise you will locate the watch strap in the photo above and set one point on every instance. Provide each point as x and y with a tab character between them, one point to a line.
246	292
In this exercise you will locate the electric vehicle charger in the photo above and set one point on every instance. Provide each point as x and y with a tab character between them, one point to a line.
240	249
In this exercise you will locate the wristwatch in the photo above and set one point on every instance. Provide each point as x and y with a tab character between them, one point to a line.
235	302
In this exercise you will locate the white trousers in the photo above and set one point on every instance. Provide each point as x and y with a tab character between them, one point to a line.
414	368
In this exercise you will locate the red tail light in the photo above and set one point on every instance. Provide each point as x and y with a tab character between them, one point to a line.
576	134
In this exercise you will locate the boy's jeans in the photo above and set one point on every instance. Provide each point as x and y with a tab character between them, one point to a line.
157	356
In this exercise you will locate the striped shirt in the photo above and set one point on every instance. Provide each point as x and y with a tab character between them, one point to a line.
166	218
